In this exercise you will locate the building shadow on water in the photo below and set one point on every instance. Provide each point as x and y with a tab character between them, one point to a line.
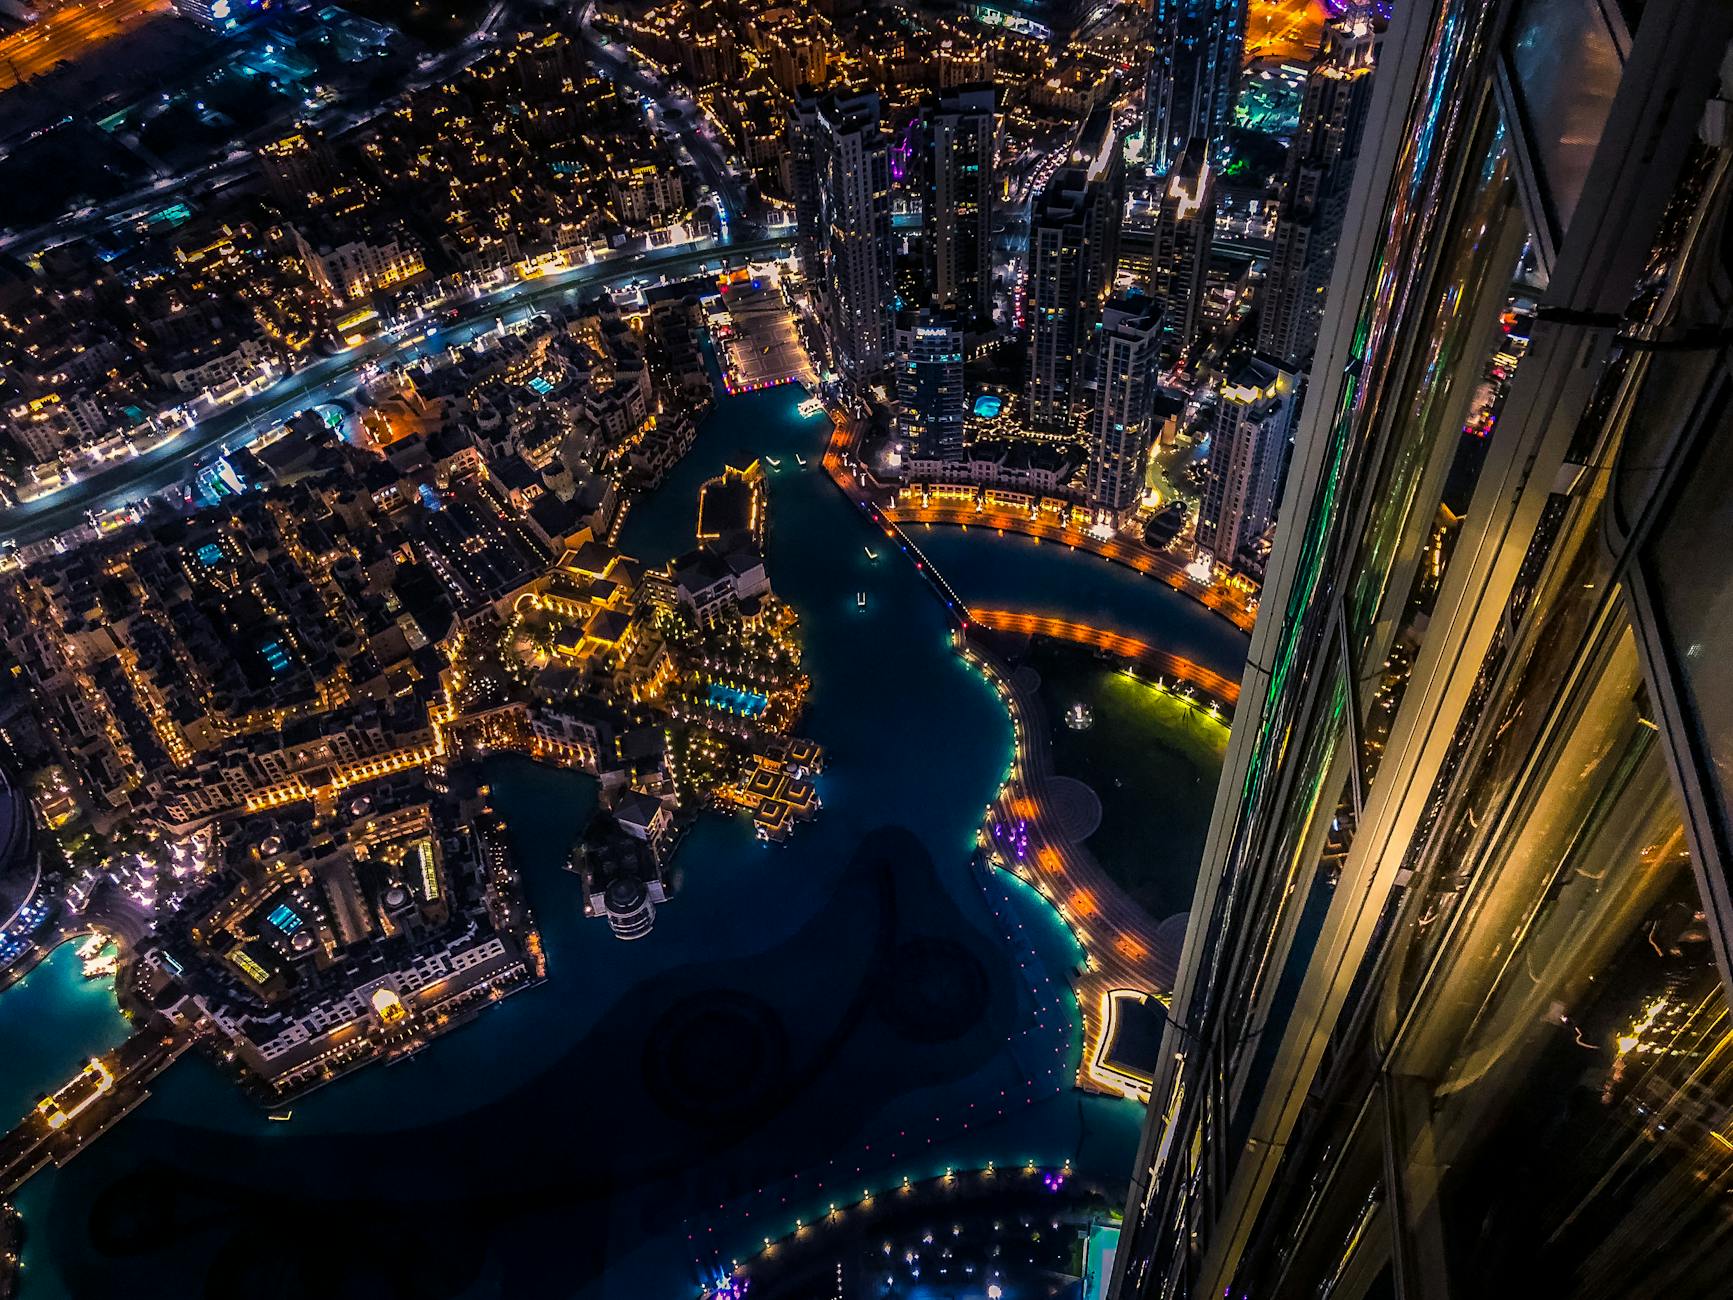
750	1071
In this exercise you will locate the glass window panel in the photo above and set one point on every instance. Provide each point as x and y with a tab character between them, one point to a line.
1448	409
1576	1036
1566	68
1696	600
1566	577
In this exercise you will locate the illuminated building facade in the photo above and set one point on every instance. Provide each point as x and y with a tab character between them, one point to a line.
844	215
1122	416
957	201
1254	419
1194	75
1315	191
1184	231
217	15
1451	1018
1073	247
931	399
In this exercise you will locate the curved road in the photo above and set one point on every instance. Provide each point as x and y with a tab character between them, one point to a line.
331	377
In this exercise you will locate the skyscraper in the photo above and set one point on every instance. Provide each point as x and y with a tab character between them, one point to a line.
930	393
1121	418
844	218
1248	441
1184	233
1452	1013
802	177
1194	76
1315	190
1073	252
957	201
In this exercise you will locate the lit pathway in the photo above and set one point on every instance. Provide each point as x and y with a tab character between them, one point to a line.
1025	832
1217	596
1212	684
1126	950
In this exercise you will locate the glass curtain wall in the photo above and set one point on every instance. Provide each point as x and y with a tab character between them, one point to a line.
1451	1019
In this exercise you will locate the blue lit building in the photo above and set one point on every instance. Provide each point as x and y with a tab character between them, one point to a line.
931	401
1194	76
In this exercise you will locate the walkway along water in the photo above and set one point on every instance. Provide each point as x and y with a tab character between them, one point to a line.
807	1022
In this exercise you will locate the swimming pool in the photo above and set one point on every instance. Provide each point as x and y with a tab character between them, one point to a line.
988	406
746	703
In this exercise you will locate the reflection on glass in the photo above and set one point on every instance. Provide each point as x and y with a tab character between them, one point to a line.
1573	1036
1567	70
1696	600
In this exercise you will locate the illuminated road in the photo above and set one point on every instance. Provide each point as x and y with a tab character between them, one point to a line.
1223	600
69	32
329	378
1027	623
1288	30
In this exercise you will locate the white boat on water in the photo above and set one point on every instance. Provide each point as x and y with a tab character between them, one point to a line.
871	554
810	407
860	600
774	463
800	459
281	1116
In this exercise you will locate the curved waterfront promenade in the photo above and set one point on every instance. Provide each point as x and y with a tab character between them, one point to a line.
1157	564
1213	685
1027	831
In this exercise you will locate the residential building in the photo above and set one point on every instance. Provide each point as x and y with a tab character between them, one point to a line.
349	265
1315	190
1073	248
1194	74
1122	415
1451	1016
931	398
957	202
1254	420
1184	231
848	215
646	190
298	167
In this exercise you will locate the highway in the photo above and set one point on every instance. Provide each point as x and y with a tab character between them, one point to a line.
329	378
241	163
695	132
69	32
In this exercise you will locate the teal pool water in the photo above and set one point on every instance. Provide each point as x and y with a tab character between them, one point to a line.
806	1023
51	1023
748	704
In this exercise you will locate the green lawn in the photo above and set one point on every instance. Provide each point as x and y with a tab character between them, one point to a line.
1153	761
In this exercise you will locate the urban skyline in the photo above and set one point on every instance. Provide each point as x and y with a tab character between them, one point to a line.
862	648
